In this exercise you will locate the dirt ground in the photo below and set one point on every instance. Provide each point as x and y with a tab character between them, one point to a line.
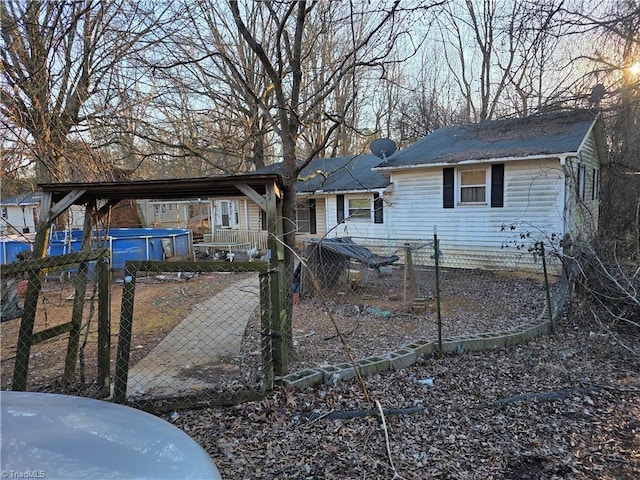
565	406
161	302
374	315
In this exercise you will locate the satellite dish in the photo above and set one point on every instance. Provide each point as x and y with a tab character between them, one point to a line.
383	147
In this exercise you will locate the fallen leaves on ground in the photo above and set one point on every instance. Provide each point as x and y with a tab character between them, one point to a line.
570	409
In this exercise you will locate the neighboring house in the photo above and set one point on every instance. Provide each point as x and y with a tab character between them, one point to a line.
341	196
20	213
494	189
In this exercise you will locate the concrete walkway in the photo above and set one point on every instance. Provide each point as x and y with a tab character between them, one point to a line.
198	348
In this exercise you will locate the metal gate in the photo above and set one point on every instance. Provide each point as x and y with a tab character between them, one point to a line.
194	334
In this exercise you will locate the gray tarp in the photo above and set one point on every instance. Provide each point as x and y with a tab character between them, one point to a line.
348	248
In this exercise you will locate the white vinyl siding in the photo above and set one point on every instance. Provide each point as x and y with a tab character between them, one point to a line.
583	203
477	237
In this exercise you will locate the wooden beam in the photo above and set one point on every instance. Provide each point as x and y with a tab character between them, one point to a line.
253	195
60	207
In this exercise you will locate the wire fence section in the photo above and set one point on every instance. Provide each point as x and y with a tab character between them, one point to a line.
383	294
162	335
55	323
165	335
184	338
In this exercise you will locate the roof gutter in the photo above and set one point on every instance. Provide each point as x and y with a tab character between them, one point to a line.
342	192
561	156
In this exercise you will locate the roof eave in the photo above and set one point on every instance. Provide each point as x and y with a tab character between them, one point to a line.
479	161
343	192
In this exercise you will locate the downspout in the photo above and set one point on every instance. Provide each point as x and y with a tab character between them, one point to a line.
565	198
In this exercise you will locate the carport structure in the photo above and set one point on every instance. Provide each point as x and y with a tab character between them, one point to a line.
98	199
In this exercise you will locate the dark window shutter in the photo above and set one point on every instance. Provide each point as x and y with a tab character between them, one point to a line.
447	187
378	208
312	216
263	220
497	185
340	207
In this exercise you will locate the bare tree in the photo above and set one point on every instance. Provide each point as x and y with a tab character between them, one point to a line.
56	56
498	52
273	67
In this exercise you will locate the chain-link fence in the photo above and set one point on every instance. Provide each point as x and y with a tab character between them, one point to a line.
55	324
162	335
382	294
166	335
193	334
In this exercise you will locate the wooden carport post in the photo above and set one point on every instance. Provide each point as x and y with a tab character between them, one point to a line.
48	215
279	319
271	204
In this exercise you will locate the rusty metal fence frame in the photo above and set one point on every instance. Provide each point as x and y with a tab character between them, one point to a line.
35	270
268	331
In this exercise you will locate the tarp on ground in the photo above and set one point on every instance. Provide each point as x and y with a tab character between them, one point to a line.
348	248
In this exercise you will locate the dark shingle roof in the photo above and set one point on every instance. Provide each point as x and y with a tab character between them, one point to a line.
338	174
555	133
23	199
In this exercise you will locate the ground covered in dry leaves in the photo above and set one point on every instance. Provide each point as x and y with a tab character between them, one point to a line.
565	406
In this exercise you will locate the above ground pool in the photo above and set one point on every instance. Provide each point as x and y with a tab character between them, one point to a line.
130	244
10	249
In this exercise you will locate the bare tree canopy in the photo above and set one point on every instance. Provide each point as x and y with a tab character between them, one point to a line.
56	57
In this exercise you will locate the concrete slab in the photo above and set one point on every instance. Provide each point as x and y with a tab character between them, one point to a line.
200	347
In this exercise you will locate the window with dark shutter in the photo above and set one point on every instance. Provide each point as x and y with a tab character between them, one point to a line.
595	184
497	185
447	187
340	208
378	208
580	182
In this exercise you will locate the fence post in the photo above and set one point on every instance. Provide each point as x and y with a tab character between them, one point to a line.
23	349
124	335
436	257
103	277
73	344
266	345
546	286
409	278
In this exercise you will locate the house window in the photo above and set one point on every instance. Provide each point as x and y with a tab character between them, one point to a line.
473	186
306	217
5	214
225	213
302	219
580	182
35	216
263	220
359	209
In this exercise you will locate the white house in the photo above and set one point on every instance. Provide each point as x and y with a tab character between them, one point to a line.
342	196
494	189
20	213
